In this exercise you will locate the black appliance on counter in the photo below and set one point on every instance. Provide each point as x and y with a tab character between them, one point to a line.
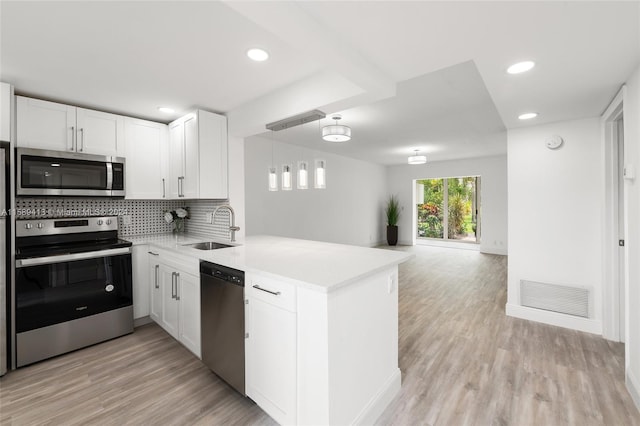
73	285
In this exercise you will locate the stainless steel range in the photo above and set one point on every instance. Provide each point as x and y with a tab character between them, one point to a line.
72	286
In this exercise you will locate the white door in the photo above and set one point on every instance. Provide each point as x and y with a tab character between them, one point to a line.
191	158
100	133
621	228
145	143
168	282
176	159
155	308
271	360
45	125
189	300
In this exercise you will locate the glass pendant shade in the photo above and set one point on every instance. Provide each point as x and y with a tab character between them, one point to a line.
287	184
303	175
336	133
320	175
273	179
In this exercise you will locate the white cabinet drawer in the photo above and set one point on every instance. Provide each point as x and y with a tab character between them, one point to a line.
273	291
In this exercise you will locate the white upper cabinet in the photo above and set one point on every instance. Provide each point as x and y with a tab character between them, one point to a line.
59	127
6	98
100	133
198	161
146	154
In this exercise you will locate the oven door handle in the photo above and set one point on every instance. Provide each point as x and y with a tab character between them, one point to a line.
23	263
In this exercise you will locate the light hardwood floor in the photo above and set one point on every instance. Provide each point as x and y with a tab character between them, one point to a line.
462	360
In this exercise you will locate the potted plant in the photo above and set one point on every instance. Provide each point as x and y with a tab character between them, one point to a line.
393	213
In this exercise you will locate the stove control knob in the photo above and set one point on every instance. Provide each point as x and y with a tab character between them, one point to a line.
28	226
100	222
108	221
40	225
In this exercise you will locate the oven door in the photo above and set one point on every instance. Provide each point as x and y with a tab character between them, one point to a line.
56	289
53	173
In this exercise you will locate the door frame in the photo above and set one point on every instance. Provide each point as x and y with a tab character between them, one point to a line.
612	280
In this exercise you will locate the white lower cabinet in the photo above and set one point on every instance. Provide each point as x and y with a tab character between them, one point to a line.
270	353
188	288
175	297
140	278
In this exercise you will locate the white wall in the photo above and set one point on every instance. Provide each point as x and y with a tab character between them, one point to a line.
493	193
236	183
555	207
632	198
348	211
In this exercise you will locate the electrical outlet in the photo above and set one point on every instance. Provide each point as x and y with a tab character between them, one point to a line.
126	219
209	217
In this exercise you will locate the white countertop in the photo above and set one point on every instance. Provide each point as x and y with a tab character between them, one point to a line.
313	264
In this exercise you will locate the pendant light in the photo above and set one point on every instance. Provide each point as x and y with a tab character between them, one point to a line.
336	132
320	174
287	179
303	175
273	173
417	159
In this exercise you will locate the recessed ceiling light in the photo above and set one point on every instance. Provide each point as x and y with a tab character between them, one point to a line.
257	55
521	67
528	115
166	110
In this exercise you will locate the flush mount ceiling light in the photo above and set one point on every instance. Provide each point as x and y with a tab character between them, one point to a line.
336	132
521	67
417	159
528	116
166	110
258	55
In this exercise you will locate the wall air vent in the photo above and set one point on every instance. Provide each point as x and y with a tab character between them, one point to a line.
555	298
296	120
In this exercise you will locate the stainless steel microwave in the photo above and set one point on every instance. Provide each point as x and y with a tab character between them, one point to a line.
56	173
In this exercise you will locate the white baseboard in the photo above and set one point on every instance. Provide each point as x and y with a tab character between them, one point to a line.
633	386
380	400
554	318
494	250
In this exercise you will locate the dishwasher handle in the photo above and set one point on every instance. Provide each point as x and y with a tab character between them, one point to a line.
222	273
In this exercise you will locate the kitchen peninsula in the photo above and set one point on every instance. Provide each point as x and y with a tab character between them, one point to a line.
322	342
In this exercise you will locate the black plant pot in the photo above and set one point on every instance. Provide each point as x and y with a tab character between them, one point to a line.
392	235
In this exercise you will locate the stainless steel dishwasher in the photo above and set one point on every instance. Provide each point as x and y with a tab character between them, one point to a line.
222	322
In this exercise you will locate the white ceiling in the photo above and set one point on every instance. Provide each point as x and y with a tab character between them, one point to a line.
405	75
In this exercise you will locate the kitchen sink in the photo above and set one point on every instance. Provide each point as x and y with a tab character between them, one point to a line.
209	245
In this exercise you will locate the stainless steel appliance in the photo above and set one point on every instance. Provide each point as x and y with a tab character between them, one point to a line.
56	173
4	241
222	322
73	285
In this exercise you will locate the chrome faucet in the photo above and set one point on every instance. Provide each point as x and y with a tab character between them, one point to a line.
233	228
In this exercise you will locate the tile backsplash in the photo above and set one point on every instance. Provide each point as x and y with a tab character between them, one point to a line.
135	217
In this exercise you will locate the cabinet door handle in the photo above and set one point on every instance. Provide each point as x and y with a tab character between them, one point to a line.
163	190
173	285
275	293
82	141
157	270
181	186
73	138
155	254
177	285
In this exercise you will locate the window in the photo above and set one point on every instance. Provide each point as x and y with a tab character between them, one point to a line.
448	208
